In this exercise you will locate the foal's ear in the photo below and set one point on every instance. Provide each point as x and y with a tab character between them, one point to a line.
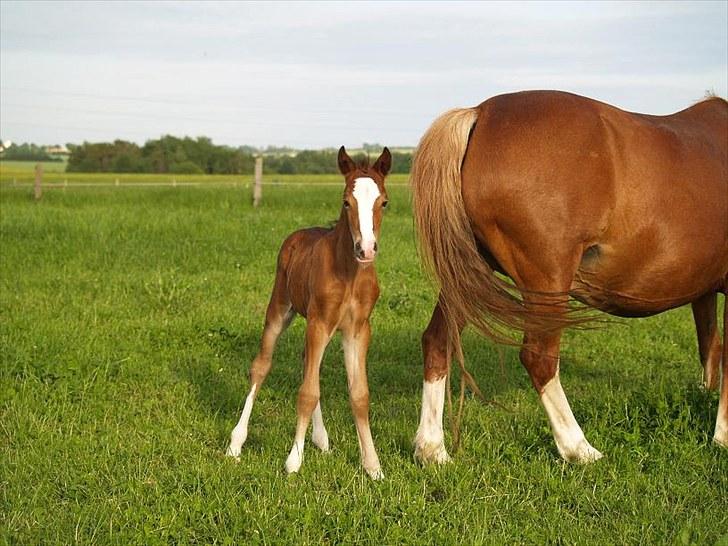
384	162
346	164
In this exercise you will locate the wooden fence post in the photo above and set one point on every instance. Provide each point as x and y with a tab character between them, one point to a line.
38	190
257	187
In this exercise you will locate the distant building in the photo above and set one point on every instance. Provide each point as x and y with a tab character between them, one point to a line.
57	150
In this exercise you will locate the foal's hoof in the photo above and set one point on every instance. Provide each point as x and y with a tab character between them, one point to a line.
233	453
321	442
375	473
428	453
293	462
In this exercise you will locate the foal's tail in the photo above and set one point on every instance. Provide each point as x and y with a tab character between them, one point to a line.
470	292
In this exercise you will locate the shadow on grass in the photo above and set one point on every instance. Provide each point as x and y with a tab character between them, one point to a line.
220	382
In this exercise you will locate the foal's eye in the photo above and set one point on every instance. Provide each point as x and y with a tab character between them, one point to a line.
384	205
346	205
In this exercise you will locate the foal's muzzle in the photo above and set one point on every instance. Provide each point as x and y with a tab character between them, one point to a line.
365	253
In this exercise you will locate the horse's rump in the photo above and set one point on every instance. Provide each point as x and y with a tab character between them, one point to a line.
627	212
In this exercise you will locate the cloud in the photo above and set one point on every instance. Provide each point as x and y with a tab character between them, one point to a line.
315	74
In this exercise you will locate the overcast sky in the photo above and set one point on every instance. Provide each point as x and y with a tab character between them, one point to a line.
325	74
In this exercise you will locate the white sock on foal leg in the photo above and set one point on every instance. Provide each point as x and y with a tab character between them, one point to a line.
319	436
295	457
430	440
240	432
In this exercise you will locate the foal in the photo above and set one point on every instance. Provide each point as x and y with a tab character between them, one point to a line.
327	276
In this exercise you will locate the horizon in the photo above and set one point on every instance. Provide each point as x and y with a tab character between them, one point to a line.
319	75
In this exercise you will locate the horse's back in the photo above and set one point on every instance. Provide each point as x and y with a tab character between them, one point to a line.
557	175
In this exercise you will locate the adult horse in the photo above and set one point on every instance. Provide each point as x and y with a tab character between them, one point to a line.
568	196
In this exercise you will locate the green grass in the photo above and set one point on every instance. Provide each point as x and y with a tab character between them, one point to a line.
128	318
9	169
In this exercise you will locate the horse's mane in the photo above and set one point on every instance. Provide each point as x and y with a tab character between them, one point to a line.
711	95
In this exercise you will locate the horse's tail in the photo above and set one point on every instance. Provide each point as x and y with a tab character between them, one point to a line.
470	291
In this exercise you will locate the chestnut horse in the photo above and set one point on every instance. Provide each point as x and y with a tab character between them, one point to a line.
627	213
327	276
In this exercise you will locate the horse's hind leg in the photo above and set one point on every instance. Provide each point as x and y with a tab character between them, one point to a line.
430	440
721	422
277	318
540	356
704	313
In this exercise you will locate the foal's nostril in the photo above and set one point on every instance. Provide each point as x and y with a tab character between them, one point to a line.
375	246
357	246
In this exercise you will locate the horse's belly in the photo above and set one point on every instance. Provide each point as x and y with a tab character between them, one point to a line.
641	285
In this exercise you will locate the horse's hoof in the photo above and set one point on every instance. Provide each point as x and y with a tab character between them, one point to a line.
428	453
584	453
721	436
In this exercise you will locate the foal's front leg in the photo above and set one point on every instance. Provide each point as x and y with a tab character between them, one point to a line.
356	344
317	337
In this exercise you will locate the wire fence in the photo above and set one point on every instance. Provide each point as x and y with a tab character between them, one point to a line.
173	184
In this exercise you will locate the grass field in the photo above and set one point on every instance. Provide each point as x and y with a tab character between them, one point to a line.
128	318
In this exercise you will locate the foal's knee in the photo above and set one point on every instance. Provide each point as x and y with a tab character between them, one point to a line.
360	404
306	401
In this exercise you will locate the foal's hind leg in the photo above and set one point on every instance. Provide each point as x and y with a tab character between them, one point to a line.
704	313
277	318
319	435
721	422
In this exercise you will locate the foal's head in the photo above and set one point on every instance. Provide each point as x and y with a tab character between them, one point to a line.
364	200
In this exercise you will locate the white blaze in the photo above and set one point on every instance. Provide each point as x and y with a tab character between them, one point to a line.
366	192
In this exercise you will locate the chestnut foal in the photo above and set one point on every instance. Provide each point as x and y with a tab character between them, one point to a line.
327	276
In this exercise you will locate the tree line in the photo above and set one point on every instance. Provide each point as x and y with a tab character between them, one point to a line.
175	155
28	152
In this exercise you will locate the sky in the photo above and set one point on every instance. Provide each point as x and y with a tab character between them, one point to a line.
322	74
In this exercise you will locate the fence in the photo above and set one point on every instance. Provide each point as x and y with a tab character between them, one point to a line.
39	181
